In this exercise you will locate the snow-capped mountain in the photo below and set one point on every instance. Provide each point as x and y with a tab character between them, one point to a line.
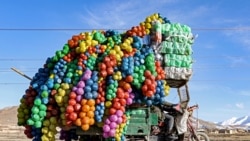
234	121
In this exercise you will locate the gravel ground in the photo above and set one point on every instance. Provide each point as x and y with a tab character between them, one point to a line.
218	137
230	137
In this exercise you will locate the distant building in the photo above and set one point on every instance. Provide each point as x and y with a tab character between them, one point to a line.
228	131
214	131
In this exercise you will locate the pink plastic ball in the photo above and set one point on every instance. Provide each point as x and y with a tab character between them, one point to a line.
119	120
129	101
105	134
129	90
107	121
113	125
74	89
79	98
87	75
112	133
119	113
132	95
106	128
113	118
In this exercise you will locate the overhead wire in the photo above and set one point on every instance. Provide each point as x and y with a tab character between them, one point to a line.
40	59
193	80
89	29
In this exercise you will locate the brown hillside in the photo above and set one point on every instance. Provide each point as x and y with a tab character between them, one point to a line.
8	115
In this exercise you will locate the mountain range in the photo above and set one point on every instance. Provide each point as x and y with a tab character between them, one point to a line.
234	121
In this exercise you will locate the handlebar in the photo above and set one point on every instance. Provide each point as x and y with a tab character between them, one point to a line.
191	108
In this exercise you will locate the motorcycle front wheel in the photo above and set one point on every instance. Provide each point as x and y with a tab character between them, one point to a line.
201	137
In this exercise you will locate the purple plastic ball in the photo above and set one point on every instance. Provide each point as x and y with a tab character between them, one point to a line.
79	91
81	84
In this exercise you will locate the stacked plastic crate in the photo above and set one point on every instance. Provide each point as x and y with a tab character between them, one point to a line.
176	50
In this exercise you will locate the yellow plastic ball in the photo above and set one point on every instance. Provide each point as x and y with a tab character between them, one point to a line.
113	52
156	15
88	43
142	24
61	92
148	19
45	138
78	50
117	56
45	130
50	134
148	26
64	122
82	44
116	77
59	99
94	43
117	48
108	104
52	76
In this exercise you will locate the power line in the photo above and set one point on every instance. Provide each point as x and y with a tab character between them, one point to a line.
193	80
14	83
194	68
205	56
90	29
16	59
54	29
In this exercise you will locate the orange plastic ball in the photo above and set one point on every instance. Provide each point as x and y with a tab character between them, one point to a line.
85	127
